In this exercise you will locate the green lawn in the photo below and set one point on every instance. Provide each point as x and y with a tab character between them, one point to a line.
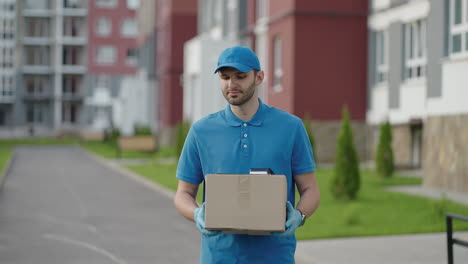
375	212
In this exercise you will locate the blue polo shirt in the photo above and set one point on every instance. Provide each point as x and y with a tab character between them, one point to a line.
223	143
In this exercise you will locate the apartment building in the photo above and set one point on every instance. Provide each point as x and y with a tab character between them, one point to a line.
418	81
118	96
51	49
7	63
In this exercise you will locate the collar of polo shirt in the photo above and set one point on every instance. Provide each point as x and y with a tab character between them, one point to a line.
257	119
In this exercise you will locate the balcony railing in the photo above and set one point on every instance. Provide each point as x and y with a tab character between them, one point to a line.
27	40
38	12
37	97
73	69
37	69
73	97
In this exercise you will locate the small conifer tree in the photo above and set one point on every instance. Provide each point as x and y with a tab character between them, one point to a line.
346	179
308	128
384	156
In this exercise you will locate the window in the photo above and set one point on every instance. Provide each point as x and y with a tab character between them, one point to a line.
381	57
132	57
35	113
133	4
37	55
72	3
36	85
69	113
458	37
106	3
415	50
129	28
37	27
277	64
71	26
106	55
103	27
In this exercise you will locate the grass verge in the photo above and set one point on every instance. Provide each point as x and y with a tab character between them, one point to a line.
375	212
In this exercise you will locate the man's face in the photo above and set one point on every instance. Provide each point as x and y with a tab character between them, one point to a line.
238	87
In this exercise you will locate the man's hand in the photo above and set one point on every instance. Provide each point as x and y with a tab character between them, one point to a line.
293	221
199	217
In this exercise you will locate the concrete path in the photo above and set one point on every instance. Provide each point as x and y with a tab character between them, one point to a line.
59	205
401	249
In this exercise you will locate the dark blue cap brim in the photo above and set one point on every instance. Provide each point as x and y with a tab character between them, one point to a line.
238	66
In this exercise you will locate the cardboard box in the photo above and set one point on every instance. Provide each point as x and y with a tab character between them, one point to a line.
245	204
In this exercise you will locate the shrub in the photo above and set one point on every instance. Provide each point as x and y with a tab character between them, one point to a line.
111	135
384	157
308	128
182	131
346	179
141	130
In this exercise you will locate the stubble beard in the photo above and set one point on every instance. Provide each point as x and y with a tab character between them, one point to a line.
243	97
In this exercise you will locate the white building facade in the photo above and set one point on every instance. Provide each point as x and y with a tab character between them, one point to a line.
418	76
220	25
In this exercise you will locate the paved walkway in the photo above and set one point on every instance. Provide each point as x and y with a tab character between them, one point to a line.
402	249
59	205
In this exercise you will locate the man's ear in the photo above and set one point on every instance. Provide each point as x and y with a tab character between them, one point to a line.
260	77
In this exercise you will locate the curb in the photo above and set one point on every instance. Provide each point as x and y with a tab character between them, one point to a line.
130	174
7	168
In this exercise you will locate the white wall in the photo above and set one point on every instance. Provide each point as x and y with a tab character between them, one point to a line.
454	89
202	94
134	104
379	103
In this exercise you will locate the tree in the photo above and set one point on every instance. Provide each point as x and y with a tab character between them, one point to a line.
346	179
384	157
308	128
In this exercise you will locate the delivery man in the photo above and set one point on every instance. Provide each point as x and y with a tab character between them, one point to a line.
247	134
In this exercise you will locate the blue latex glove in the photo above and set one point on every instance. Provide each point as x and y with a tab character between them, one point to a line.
199	217
293	221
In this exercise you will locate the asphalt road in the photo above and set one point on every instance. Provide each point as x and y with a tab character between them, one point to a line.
59	205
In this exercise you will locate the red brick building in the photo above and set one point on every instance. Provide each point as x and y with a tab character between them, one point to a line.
316	62
176	22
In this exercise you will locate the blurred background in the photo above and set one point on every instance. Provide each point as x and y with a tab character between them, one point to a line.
80	68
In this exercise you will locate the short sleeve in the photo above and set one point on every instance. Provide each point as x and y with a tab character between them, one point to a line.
302	156
189	168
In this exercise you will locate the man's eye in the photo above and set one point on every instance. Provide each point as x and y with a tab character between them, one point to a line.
241	76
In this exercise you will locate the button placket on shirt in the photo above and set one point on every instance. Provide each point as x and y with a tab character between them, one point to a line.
244	139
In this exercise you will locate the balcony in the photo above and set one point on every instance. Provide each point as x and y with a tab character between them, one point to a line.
73	69
36	97
7	99
72	97
38	12
37	69
37	40
74	40
75	12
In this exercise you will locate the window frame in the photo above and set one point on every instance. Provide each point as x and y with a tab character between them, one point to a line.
415	50
106	63
460	30
381	57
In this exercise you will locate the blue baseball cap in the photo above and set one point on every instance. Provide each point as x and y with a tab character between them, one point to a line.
240	58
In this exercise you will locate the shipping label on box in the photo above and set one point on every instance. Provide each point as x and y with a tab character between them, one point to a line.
245	204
